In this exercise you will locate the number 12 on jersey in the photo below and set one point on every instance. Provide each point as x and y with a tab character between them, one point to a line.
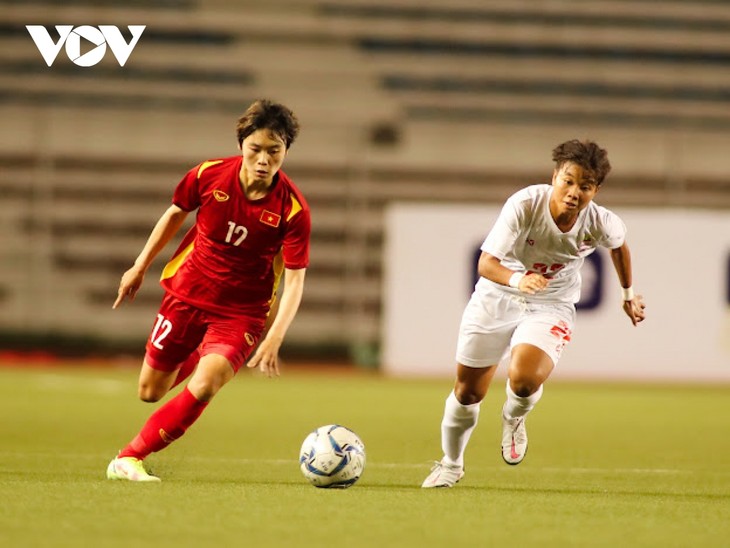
239	231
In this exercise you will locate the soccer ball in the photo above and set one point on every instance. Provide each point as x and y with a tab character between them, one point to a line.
332	456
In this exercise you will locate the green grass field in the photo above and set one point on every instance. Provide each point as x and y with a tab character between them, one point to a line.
630	465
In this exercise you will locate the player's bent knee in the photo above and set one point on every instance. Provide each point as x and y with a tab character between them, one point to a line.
212	374
205	388
150	394
524	387
467	395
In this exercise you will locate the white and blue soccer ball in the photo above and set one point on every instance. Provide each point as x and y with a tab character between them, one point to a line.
332	456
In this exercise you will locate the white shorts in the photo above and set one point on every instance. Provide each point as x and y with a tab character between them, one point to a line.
495	321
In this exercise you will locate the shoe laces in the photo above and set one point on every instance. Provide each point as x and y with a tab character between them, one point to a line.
438	465
519	433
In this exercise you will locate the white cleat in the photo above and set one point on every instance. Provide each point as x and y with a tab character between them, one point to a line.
130	469
514	440
443	475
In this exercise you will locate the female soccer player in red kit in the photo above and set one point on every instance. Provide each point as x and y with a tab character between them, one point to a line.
252	225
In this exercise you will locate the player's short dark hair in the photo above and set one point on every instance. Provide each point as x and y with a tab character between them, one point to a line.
265	114
587	154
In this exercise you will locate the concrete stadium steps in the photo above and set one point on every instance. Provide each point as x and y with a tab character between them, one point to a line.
604	62
641	13
109	92
182	138
319	64
334	66
79	132
553	71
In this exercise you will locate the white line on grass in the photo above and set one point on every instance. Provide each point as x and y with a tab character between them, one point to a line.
403	465
392	465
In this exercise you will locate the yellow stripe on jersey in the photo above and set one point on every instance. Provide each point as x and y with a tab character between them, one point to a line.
296	207
205	165
278	265
176	262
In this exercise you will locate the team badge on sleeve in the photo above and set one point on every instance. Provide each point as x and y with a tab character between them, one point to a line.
269	218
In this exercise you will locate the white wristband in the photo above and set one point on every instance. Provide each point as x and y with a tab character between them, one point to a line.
627	293
515	279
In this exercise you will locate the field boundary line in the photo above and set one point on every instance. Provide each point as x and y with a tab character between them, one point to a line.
370	463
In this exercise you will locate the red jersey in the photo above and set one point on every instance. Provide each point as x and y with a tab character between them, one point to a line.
231	260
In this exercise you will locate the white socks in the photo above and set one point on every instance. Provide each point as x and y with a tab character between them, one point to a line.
456	428
516	406
460	420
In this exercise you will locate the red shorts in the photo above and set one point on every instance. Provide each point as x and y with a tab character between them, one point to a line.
181	328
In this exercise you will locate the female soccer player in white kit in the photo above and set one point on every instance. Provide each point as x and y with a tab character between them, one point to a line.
525	299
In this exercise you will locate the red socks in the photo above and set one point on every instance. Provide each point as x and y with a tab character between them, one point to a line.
165	425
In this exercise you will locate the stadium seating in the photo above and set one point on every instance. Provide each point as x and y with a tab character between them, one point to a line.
399	100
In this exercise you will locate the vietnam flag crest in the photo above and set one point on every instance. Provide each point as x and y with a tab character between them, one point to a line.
269	218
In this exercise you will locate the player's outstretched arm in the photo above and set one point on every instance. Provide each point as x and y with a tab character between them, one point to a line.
166	227
266	357
633	305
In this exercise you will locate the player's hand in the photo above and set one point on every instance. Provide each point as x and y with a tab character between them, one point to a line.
266	358
635	309
129	285
533	283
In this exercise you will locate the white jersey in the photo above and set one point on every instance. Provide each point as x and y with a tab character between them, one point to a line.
526	239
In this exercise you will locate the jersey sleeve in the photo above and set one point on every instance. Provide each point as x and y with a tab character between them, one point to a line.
296	240
187	192
613	229
501	239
